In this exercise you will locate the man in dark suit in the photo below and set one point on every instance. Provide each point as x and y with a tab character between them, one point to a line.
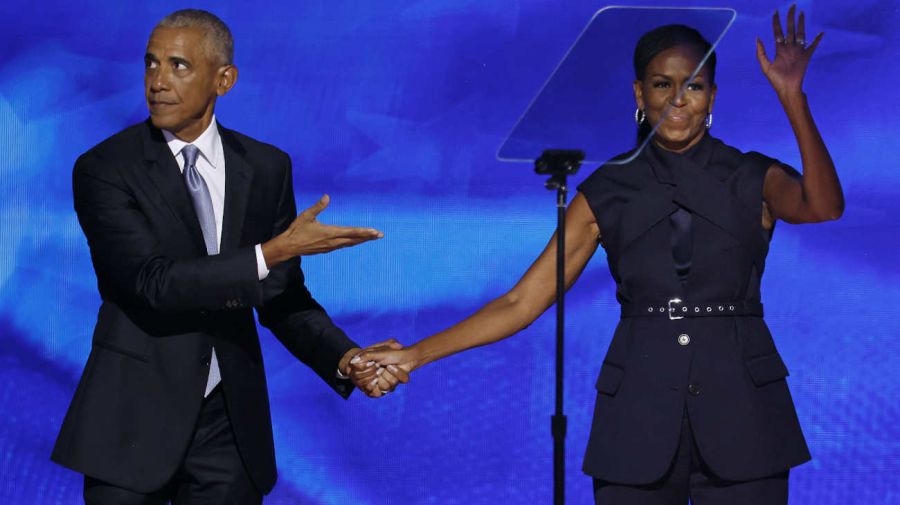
191	226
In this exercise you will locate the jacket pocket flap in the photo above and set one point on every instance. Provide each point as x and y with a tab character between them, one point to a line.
609	379
121	350
766	369
116	332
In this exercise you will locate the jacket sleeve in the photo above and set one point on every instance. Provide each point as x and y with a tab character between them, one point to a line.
128	259
290	312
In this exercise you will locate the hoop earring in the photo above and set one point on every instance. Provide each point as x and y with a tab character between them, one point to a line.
709	120
639	116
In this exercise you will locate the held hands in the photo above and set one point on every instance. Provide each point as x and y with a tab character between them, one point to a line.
792	55
407	358
372	378
394	359
306	236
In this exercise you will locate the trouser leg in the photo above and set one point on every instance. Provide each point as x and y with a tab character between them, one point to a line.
97	492
212	471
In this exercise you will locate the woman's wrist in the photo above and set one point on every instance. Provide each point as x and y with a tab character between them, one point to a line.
792	99
417	356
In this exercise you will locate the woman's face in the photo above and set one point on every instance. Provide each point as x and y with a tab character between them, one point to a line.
682	118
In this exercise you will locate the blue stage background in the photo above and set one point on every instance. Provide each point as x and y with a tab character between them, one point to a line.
396	110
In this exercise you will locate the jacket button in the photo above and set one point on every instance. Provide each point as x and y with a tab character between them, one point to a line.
693	390
684	339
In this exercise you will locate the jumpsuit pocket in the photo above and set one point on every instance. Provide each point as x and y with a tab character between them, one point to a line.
767	368
610	378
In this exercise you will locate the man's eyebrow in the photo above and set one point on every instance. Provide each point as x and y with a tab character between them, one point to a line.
173	59
179	59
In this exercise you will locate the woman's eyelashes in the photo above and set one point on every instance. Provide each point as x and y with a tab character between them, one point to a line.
694	86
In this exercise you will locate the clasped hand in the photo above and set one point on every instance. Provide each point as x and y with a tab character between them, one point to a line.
379	369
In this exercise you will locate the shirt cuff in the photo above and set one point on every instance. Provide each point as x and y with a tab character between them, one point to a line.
261	270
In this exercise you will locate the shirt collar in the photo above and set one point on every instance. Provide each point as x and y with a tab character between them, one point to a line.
668	166
209	143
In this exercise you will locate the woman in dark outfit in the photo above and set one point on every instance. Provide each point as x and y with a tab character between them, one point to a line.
692	401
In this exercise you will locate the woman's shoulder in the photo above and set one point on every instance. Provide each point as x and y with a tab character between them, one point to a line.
732	159
614	169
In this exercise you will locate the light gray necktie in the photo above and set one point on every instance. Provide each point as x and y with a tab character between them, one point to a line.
203	207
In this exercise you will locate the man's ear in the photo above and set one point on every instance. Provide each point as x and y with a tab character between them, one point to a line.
638	94
226	79
712	97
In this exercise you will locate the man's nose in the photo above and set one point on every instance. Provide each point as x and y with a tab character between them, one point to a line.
159	79
677	99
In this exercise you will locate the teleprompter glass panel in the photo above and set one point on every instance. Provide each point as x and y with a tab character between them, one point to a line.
588	102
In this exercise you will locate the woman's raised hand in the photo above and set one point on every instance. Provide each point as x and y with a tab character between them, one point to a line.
792	54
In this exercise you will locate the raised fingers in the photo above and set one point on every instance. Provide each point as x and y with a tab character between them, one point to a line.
776	29
317	207
815	43
801	29
764	62
791	33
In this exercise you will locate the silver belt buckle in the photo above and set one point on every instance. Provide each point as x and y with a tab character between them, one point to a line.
672	303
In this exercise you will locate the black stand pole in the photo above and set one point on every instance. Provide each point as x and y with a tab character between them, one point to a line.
559	164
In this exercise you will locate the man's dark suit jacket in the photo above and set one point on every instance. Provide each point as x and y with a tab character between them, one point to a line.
166	304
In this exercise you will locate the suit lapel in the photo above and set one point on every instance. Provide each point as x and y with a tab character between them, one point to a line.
162	169
238	179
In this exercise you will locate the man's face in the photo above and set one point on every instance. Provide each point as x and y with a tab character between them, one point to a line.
182	81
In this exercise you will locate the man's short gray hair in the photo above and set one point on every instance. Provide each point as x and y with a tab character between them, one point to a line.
219	42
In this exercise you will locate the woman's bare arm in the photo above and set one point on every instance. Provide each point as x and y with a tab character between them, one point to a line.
817	195
515	310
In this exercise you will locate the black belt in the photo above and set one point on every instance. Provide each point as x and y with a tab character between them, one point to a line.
677	309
